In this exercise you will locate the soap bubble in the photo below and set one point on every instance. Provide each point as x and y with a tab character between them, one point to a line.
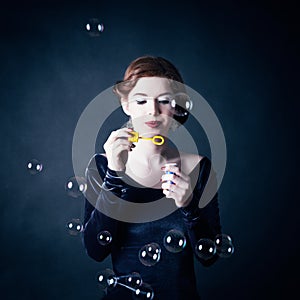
104	238
106	278
174	241
144	292
205	248
75	186
34	166
224	245
74	227
149	255
94	27
182	104
134	280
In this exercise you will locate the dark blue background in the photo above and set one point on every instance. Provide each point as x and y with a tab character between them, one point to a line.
241	56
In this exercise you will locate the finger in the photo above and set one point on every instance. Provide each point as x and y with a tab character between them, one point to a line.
168	186
170	177
170	168
183	176
122	133
121	142
173	195
120	148
171	182
183	182
168	193
177	171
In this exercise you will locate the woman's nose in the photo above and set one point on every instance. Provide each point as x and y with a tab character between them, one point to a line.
153	108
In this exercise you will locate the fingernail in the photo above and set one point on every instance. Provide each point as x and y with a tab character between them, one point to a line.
162	168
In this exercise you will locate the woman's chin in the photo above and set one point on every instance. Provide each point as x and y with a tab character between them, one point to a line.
152	132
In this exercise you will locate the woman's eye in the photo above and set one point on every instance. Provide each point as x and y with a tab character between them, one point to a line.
140	101
164	101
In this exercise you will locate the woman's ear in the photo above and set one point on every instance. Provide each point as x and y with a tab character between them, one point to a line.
124	104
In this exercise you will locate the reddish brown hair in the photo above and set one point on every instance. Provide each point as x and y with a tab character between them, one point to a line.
149	66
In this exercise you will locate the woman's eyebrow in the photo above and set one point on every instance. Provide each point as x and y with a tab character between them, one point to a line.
143	94
139	94
166	93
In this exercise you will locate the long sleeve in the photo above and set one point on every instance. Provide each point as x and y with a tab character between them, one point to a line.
100	185
203	222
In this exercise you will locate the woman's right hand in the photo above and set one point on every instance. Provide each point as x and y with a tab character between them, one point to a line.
116	148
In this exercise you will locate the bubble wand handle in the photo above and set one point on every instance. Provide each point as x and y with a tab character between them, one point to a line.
156	140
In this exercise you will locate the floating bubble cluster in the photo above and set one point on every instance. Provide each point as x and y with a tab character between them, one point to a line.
104	238
76	186
174	241
34	166
94	27
149	255
224	245
133	281
74	227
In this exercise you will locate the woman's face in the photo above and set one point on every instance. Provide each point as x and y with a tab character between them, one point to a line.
150	106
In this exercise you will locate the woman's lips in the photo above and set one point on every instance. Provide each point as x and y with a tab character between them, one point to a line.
153	124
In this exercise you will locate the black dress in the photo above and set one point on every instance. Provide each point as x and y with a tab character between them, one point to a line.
173	277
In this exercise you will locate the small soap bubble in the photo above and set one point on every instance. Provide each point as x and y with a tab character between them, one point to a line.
94	27
144	292
224	245
149	255
76	186
174	241
34	166
106	278
205	248
104	238
74	227
182	104
134	280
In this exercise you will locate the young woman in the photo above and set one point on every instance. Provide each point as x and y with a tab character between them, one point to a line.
136	172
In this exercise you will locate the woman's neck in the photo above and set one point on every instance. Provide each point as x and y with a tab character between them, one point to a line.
145	152
144	163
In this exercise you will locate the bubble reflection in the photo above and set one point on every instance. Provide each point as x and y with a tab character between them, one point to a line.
104	238
149	255
74	227
134	280
75	186
144	292
94	27
106	278
224	245
174	241
34	166
205	248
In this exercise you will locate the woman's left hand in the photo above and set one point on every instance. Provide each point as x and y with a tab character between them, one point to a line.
177	186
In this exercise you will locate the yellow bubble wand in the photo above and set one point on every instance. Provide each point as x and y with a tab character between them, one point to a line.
156	140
